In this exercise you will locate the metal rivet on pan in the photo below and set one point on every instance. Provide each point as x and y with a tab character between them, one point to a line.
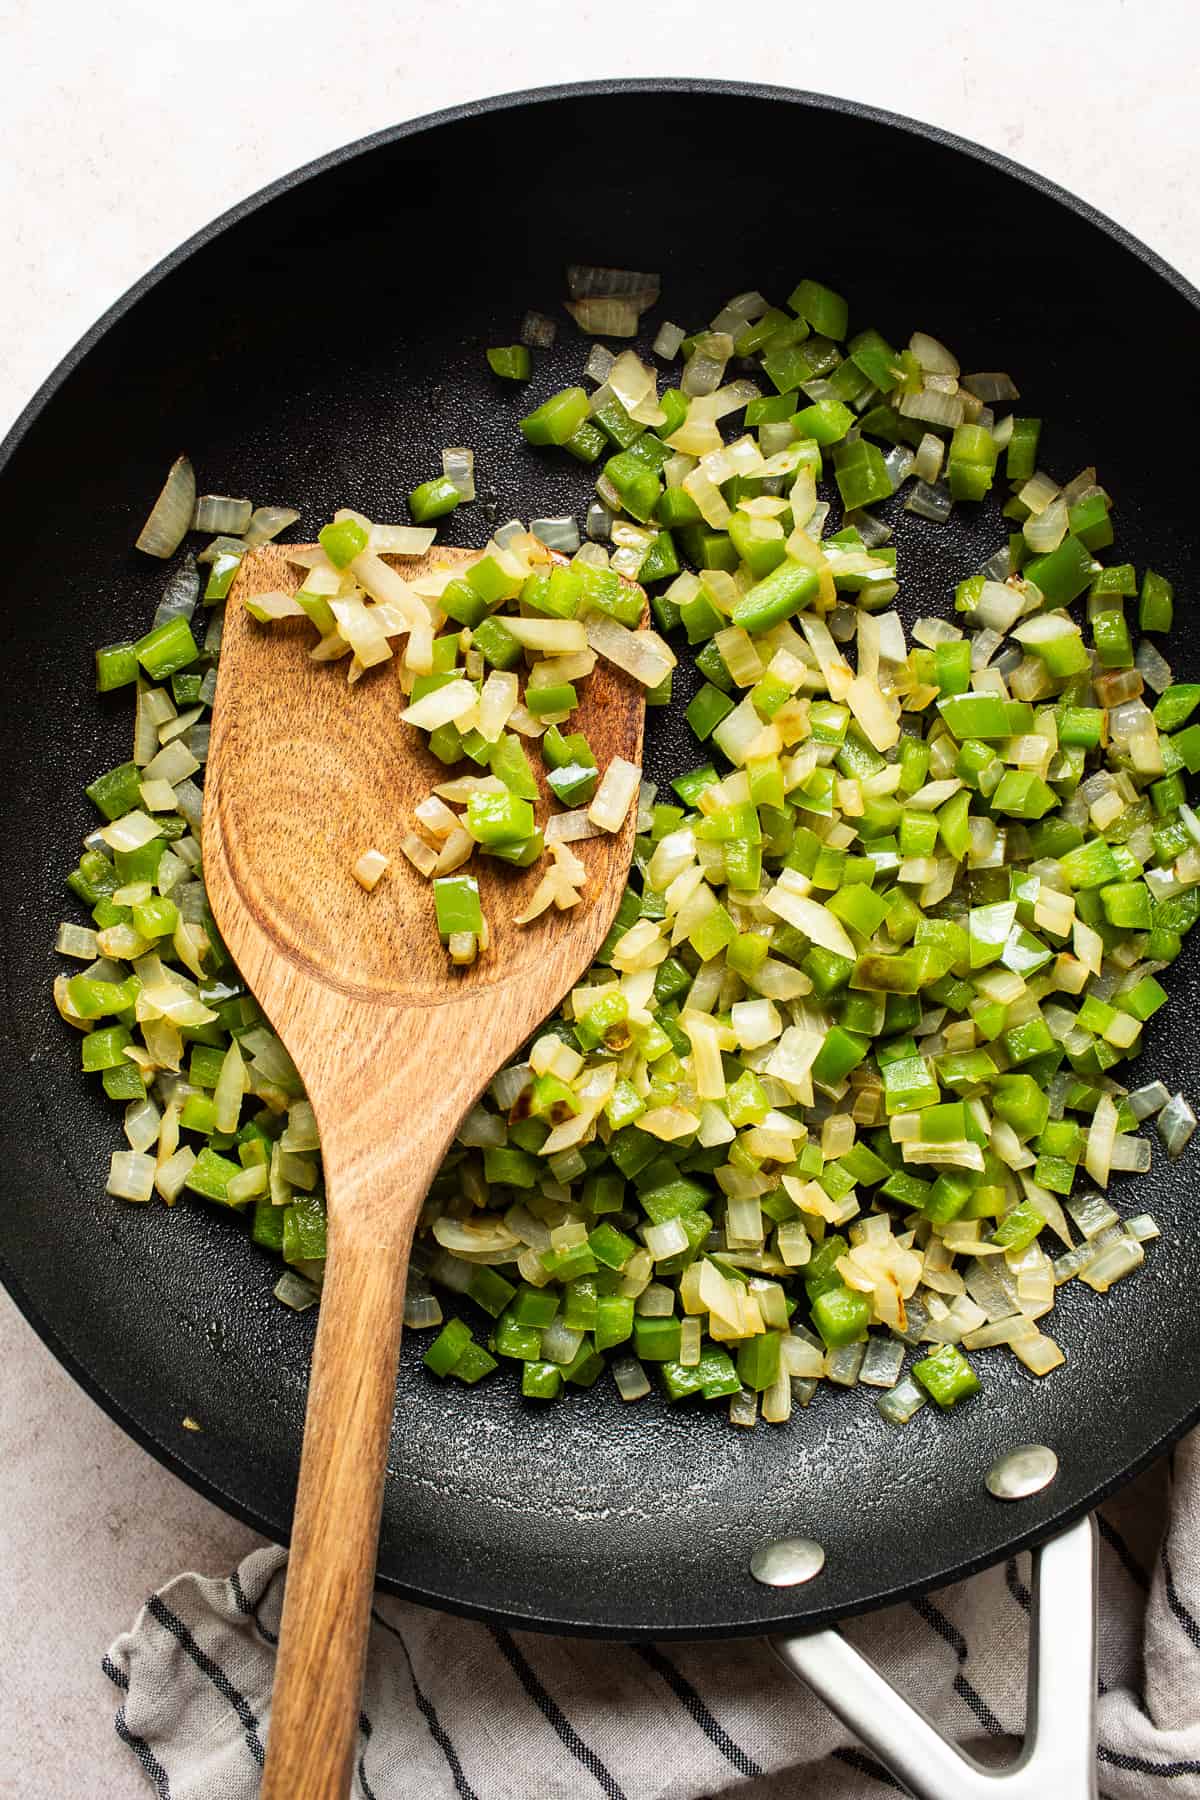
1025	1470
786	1562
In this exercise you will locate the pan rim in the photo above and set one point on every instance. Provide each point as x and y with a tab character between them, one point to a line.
342	156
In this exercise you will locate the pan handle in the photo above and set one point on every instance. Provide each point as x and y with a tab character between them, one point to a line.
1059	1753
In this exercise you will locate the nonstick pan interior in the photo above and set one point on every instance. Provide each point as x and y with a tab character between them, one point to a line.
320	347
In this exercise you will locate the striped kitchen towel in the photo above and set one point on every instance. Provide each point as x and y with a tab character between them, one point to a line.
455	1710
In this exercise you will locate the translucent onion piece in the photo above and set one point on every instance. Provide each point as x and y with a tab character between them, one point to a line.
642	654
615	794
401	540
369	868
932	407
1143	1102
1045	530
929	501
131	1175
538	331
560	533
266	523
930	452
991	386
668	340
933	357
171	515
631	1379
1176	1124
458	466
585	281
599	522
571	828
179	595
219	512
596	368
605	318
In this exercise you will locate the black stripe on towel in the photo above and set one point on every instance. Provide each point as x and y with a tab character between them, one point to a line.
1137	1765
862	1764
425	1707
1016	1586
250	1610
950	1634
139	1746
1175	1601
213	1671
554	1715
686	1694
364	1725
1123	1553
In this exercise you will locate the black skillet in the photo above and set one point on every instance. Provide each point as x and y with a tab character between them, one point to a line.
291	349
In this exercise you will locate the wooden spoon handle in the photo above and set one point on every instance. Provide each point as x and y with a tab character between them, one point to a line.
331	1571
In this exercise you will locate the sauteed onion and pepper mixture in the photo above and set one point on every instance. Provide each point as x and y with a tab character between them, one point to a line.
839	1100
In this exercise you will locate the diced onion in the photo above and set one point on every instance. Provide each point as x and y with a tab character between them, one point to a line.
171	515
369	868
218	512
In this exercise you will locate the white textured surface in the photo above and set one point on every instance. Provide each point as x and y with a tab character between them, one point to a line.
129	125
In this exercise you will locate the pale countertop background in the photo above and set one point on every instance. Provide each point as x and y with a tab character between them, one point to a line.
130	125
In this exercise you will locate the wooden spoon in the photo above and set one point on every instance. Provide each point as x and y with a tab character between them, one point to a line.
305	774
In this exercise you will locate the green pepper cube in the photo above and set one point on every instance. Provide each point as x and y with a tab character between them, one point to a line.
460	602
638	486
156	917
433	499
512	362
909	1085
304	1228
614	1321
447	1347
497	819
520	1342
456	902
167	647
490	1291
541	1380
787	590
988	930
116	666
505	1165
841	1052
861	474
758	1360
715	932
210	1176
946	1375
1023	795
342	541
1061	575
707	709
656	1339
124	1082
535	1307
1021	459
841	1315
1025	1041
1127	905
557	419
1156	607
1176	706
473	1365
822	308
509	763
825	422
116	792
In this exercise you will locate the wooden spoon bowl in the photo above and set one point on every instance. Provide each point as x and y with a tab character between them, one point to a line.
306	773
